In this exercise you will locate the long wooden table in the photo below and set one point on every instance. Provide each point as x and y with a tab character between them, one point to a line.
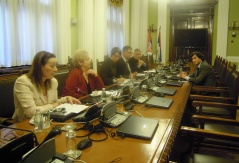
130	149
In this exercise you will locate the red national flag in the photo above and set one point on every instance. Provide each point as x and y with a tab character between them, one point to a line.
149	47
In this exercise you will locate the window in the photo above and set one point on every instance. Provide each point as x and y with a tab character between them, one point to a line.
26	27
114	28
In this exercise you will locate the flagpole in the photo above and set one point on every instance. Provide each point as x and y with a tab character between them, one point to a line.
159	54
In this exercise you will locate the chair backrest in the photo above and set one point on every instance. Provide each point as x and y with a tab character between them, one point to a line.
99	66
61	78
232	66
233	85
70	64
216	62
6	95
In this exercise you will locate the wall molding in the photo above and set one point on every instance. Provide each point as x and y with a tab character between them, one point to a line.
234	59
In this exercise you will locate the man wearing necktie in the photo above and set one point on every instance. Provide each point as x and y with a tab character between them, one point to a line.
122	66
203	75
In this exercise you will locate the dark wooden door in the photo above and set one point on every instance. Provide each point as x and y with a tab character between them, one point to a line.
189	20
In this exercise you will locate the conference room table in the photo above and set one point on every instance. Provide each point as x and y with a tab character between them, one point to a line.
127	149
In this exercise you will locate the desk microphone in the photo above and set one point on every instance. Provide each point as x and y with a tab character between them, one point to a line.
81	91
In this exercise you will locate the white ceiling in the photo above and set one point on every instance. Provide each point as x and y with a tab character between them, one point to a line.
192	4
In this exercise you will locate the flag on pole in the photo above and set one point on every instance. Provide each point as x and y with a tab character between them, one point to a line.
159	47
149	48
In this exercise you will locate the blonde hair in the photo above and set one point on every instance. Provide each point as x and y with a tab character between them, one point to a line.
79	56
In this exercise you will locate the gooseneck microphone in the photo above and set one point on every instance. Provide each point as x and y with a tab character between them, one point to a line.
81	91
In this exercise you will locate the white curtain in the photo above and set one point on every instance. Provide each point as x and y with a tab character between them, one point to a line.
28	26
139	25
222	26
114	27
92	28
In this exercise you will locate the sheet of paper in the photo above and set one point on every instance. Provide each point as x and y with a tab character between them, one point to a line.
73	108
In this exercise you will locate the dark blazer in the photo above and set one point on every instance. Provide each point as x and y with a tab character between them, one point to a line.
203	76
133	63
122	69
108	71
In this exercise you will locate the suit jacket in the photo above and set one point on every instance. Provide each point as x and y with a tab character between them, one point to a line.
204	76
76	79
27	98
108	71
133	63
122	69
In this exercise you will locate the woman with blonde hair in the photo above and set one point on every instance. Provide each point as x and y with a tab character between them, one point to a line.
82	79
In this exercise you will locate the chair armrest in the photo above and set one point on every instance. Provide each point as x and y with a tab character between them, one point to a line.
215	104
203	119
218	76
208	133
211	98
210	89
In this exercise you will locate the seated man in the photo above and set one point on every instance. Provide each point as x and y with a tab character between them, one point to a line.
108	71
122	66
203	75
137	65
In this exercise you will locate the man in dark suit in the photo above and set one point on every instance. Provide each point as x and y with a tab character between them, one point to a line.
122	67
108	70
136	64
203	75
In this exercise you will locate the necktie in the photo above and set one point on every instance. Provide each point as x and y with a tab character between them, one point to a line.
127	63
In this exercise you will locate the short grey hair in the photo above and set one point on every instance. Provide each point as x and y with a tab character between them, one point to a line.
79	56
137	50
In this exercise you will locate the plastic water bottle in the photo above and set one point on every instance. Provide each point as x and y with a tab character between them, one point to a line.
38	121
103	95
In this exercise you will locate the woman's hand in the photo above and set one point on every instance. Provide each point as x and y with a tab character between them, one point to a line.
72	100
91	71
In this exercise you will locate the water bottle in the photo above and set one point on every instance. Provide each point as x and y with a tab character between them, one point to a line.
103	95
38	121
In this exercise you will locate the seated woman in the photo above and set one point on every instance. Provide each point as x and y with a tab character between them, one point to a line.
82	80
38	88
108	72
